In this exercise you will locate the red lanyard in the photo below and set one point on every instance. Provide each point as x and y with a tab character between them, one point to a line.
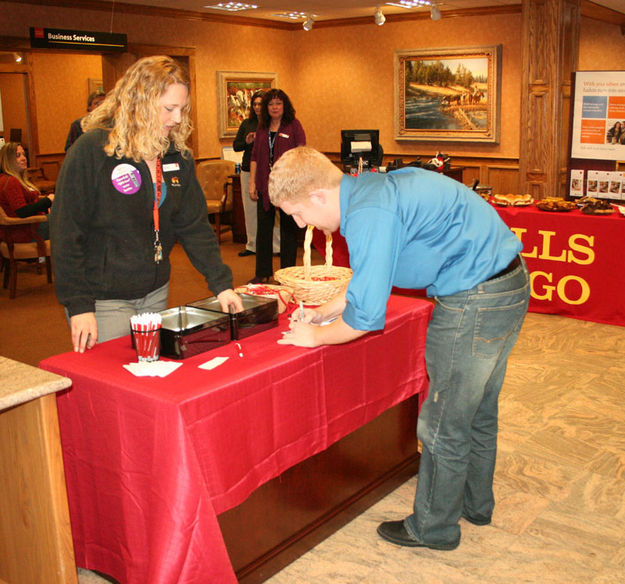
158	248
159	189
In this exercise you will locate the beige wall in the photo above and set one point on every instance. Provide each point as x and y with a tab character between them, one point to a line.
601	47
61	92
337	77
13	105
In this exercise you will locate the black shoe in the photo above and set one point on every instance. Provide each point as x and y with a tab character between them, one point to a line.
396	532
259	280
246	252
476	521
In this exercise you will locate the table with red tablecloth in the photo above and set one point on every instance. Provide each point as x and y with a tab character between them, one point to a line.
151	462
575	261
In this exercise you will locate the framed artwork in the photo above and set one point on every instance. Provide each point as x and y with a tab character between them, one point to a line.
95	85
448	94
234	93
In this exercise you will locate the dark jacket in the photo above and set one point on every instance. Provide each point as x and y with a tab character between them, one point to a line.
103	240
239	144
288	136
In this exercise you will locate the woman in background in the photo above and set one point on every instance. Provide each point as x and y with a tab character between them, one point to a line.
278	131
19	197
127	191
244	142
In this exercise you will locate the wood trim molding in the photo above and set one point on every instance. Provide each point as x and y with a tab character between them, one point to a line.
596	12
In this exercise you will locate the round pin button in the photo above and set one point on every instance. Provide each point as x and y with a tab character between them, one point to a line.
126	179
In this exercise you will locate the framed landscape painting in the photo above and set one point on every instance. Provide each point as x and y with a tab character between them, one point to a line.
448	94
234	93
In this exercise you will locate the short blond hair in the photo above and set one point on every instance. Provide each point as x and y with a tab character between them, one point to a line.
299	172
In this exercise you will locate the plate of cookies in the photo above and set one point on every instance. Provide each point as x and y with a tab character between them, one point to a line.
555	204
594	206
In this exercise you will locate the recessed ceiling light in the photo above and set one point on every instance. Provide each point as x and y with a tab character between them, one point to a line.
232	6
411	3
291	15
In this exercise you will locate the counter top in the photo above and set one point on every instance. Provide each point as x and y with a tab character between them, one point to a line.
20	383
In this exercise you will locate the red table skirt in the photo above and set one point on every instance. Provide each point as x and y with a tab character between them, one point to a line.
575	262
151	462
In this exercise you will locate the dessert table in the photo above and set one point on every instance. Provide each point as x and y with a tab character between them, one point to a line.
150	463
575	262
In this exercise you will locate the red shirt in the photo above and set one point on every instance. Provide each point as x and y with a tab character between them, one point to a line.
14	196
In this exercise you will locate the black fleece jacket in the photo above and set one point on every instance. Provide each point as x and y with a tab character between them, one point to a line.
103	240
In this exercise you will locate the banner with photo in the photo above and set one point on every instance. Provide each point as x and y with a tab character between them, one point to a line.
599	115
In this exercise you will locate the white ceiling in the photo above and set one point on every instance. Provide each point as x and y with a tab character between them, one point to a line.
332	9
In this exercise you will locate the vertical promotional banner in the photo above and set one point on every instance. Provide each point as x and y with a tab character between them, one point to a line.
599	115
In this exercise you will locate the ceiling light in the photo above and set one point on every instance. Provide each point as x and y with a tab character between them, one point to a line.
232	6
410	3
379	18
435	13
291	15
308	23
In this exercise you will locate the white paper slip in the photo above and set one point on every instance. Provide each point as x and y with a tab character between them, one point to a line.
216	362
152	368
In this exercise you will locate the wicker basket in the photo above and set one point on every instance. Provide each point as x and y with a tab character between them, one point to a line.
301	279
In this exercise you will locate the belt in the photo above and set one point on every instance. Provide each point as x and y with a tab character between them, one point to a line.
515	263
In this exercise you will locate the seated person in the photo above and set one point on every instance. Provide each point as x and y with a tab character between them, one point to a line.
18	196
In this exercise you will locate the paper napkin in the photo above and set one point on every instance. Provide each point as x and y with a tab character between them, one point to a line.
153	368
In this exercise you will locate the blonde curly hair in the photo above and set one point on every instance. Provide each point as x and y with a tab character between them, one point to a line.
131	111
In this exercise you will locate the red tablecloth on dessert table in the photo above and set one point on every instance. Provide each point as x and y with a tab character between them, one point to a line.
151	462
575	261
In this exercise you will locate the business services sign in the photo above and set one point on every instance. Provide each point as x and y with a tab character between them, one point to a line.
78	40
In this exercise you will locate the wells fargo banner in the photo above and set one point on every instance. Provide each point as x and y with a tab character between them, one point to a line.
575	260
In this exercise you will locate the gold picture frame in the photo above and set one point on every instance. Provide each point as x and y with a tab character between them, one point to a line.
234	92
448	94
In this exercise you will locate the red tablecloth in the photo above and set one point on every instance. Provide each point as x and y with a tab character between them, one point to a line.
575	262
151	462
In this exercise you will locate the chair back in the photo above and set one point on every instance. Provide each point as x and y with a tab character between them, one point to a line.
228	153
212	176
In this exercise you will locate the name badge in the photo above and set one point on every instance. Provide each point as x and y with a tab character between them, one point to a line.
171	166
283	135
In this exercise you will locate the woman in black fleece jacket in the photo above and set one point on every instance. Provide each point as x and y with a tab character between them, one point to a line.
127	191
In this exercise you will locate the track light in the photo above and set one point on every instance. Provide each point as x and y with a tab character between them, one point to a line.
17	57
379	18
308	23
435	13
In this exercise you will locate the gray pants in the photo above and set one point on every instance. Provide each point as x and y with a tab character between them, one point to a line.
113	316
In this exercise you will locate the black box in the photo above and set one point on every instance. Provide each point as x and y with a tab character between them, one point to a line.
187	331
259	314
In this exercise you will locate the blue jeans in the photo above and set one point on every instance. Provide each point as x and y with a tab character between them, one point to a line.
468	343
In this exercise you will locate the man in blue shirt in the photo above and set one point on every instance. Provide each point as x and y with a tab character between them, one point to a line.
417	229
